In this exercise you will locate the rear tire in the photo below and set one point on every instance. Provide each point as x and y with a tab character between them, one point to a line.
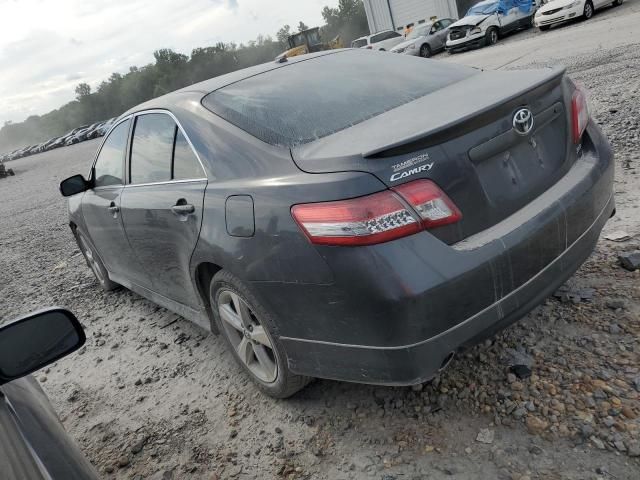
248	329
588	10
425	51
617	3
95	264
491	37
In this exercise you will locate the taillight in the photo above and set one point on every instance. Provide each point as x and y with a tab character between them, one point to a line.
369	47
579	113
377	218
431	203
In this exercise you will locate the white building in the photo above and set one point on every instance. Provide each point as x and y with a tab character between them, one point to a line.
396	14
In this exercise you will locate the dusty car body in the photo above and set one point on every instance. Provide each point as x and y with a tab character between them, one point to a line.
336	232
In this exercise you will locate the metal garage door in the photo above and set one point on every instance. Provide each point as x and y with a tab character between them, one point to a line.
413	11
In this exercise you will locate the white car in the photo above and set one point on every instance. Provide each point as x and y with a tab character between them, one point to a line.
486	21
558	11
379	41
425	39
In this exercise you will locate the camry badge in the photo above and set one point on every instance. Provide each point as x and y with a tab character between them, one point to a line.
523	121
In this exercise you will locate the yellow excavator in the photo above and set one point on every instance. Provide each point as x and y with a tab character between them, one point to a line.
308	41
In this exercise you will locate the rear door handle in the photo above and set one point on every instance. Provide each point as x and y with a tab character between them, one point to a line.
186	209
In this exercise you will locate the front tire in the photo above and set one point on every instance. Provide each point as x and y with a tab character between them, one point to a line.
247	328
491	36
95	264
425	51
617	3
588	10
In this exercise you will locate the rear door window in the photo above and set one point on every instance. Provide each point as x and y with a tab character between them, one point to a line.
109	167
361	42
152	148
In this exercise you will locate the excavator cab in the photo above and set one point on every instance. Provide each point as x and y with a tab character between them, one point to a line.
308	41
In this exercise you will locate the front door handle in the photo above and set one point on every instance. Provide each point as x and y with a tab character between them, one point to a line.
113	208
186	209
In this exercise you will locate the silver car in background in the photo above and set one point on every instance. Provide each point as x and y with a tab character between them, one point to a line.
425	39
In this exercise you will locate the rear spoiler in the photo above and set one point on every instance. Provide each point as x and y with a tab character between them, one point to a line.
465	124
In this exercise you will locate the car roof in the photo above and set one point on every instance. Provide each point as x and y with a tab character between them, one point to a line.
199	90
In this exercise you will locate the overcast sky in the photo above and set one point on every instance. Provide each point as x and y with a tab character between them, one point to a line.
47	47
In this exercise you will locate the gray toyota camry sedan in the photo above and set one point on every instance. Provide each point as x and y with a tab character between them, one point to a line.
347	214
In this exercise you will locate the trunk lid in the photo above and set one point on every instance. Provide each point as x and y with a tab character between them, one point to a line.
463	138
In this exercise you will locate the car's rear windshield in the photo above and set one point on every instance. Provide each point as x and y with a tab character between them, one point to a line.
361	42
311	99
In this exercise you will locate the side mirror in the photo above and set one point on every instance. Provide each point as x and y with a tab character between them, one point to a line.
73	185
37	340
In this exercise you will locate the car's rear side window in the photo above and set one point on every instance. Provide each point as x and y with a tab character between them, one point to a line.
109	167
307	100
361	42
185	163
152	148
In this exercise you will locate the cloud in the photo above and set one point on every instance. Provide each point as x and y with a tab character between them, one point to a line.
46	47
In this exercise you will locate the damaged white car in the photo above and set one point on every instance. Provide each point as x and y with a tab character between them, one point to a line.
487	21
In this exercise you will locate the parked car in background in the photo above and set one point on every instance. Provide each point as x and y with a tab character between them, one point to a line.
33	442
358	236
94	131
379	41
425	39
487	21
560	11
76	135
104	128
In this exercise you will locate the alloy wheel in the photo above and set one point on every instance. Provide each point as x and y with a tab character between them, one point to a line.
247	336
588	10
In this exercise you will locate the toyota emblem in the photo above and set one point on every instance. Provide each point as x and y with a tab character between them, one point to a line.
523	121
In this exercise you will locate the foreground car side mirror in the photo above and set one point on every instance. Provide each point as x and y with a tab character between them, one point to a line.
74	185
37	340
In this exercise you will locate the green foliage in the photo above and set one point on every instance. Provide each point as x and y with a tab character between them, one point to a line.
348	20
171	71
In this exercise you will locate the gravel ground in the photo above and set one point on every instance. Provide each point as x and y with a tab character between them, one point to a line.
555	396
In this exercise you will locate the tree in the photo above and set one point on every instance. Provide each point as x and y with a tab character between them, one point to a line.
348	19
302	27
283	35
83	90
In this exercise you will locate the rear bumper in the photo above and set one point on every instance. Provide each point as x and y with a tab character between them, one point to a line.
419	362
397	310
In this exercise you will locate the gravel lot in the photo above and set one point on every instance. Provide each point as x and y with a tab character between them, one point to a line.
152	396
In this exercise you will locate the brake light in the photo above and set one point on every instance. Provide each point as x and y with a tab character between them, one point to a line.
377	218
369	47
432	204
579	113
366	220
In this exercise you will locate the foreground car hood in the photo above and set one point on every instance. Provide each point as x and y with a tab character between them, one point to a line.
471	20
554	4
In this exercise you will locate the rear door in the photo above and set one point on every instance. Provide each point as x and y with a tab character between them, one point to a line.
162	203
101	207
